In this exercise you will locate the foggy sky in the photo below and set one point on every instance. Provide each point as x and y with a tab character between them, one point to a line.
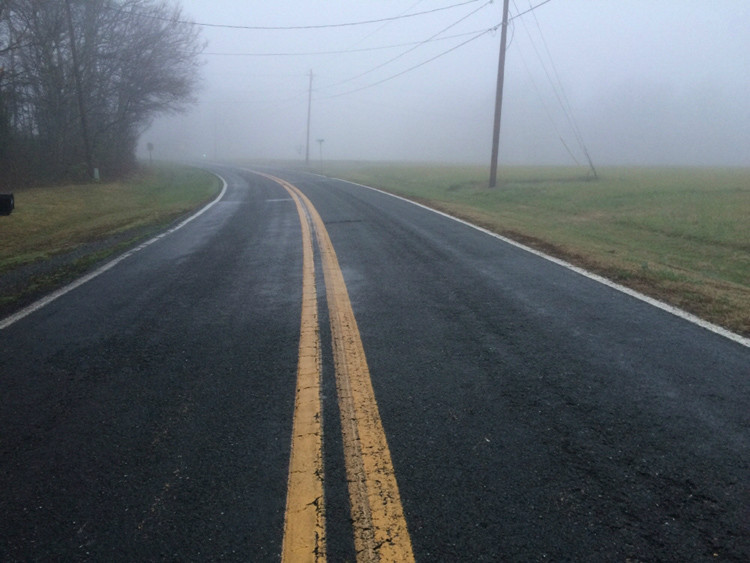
646	82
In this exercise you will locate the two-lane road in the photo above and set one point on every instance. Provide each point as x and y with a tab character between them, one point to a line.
473	401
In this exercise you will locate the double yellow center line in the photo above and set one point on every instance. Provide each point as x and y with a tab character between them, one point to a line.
379	526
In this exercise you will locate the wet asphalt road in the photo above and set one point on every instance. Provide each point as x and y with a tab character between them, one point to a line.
532	414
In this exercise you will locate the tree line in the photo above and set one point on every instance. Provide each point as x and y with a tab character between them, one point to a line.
81	79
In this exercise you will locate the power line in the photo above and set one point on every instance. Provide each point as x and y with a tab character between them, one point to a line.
546	108
531	9
558	90
576	129
423	63
416	46
386	24
344	51
474	36
301	27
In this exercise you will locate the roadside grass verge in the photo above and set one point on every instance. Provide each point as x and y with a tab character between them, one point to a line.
55	234
681	235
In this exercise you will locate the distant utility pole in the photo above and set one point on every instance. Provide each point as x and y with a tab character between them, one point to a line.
81	108
320	145
499	97
309	107
216	132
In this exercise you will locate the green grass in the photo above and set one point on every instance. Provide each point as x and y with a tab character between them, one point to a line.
679	234
53	220
56	234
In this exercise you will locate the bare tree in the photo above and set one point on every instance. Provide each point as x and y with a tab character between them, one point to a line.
134	60
150	70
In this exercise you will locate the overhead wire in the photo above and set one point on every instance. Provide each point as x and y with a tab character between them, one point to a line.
539	91
556	84
416	46
531	9
423	63
474	36
569	108
546	108
386	24
410	69
557	89
344	51
303	27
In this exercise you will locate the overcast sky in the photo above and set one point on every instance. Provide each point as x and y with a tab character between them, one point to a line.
634	81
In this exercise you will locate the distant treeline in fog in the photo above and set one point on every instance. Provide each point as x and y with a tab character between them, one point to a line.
81	79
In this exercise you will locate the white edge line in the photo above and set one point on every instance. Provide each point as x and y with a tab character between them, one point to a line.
609	283
44	301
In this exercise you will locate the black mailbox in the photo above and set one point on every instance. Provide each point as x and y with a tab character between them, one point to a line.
6	204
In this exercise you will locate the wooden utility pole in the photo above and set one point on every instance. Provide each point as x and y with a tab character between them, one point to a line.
499	97
79	92
309	107
320	145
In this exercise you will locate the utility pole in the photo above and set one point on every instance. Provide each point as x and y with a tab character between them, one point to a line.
309	107
499	97
79	92
216	132
320	145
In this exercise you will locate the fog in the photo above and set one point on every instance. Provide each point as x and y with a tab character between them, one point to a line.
644	82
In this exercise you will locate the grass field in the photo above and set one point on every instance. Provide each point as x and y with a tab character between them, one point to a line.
681	235
91	222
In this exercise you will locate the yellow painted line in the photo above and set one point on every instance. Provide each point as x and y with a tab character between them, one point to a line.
379	524
304	521
380	531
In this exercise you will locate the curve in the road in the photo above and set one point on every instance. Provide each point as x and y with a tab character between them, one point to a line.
379	524
43	302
